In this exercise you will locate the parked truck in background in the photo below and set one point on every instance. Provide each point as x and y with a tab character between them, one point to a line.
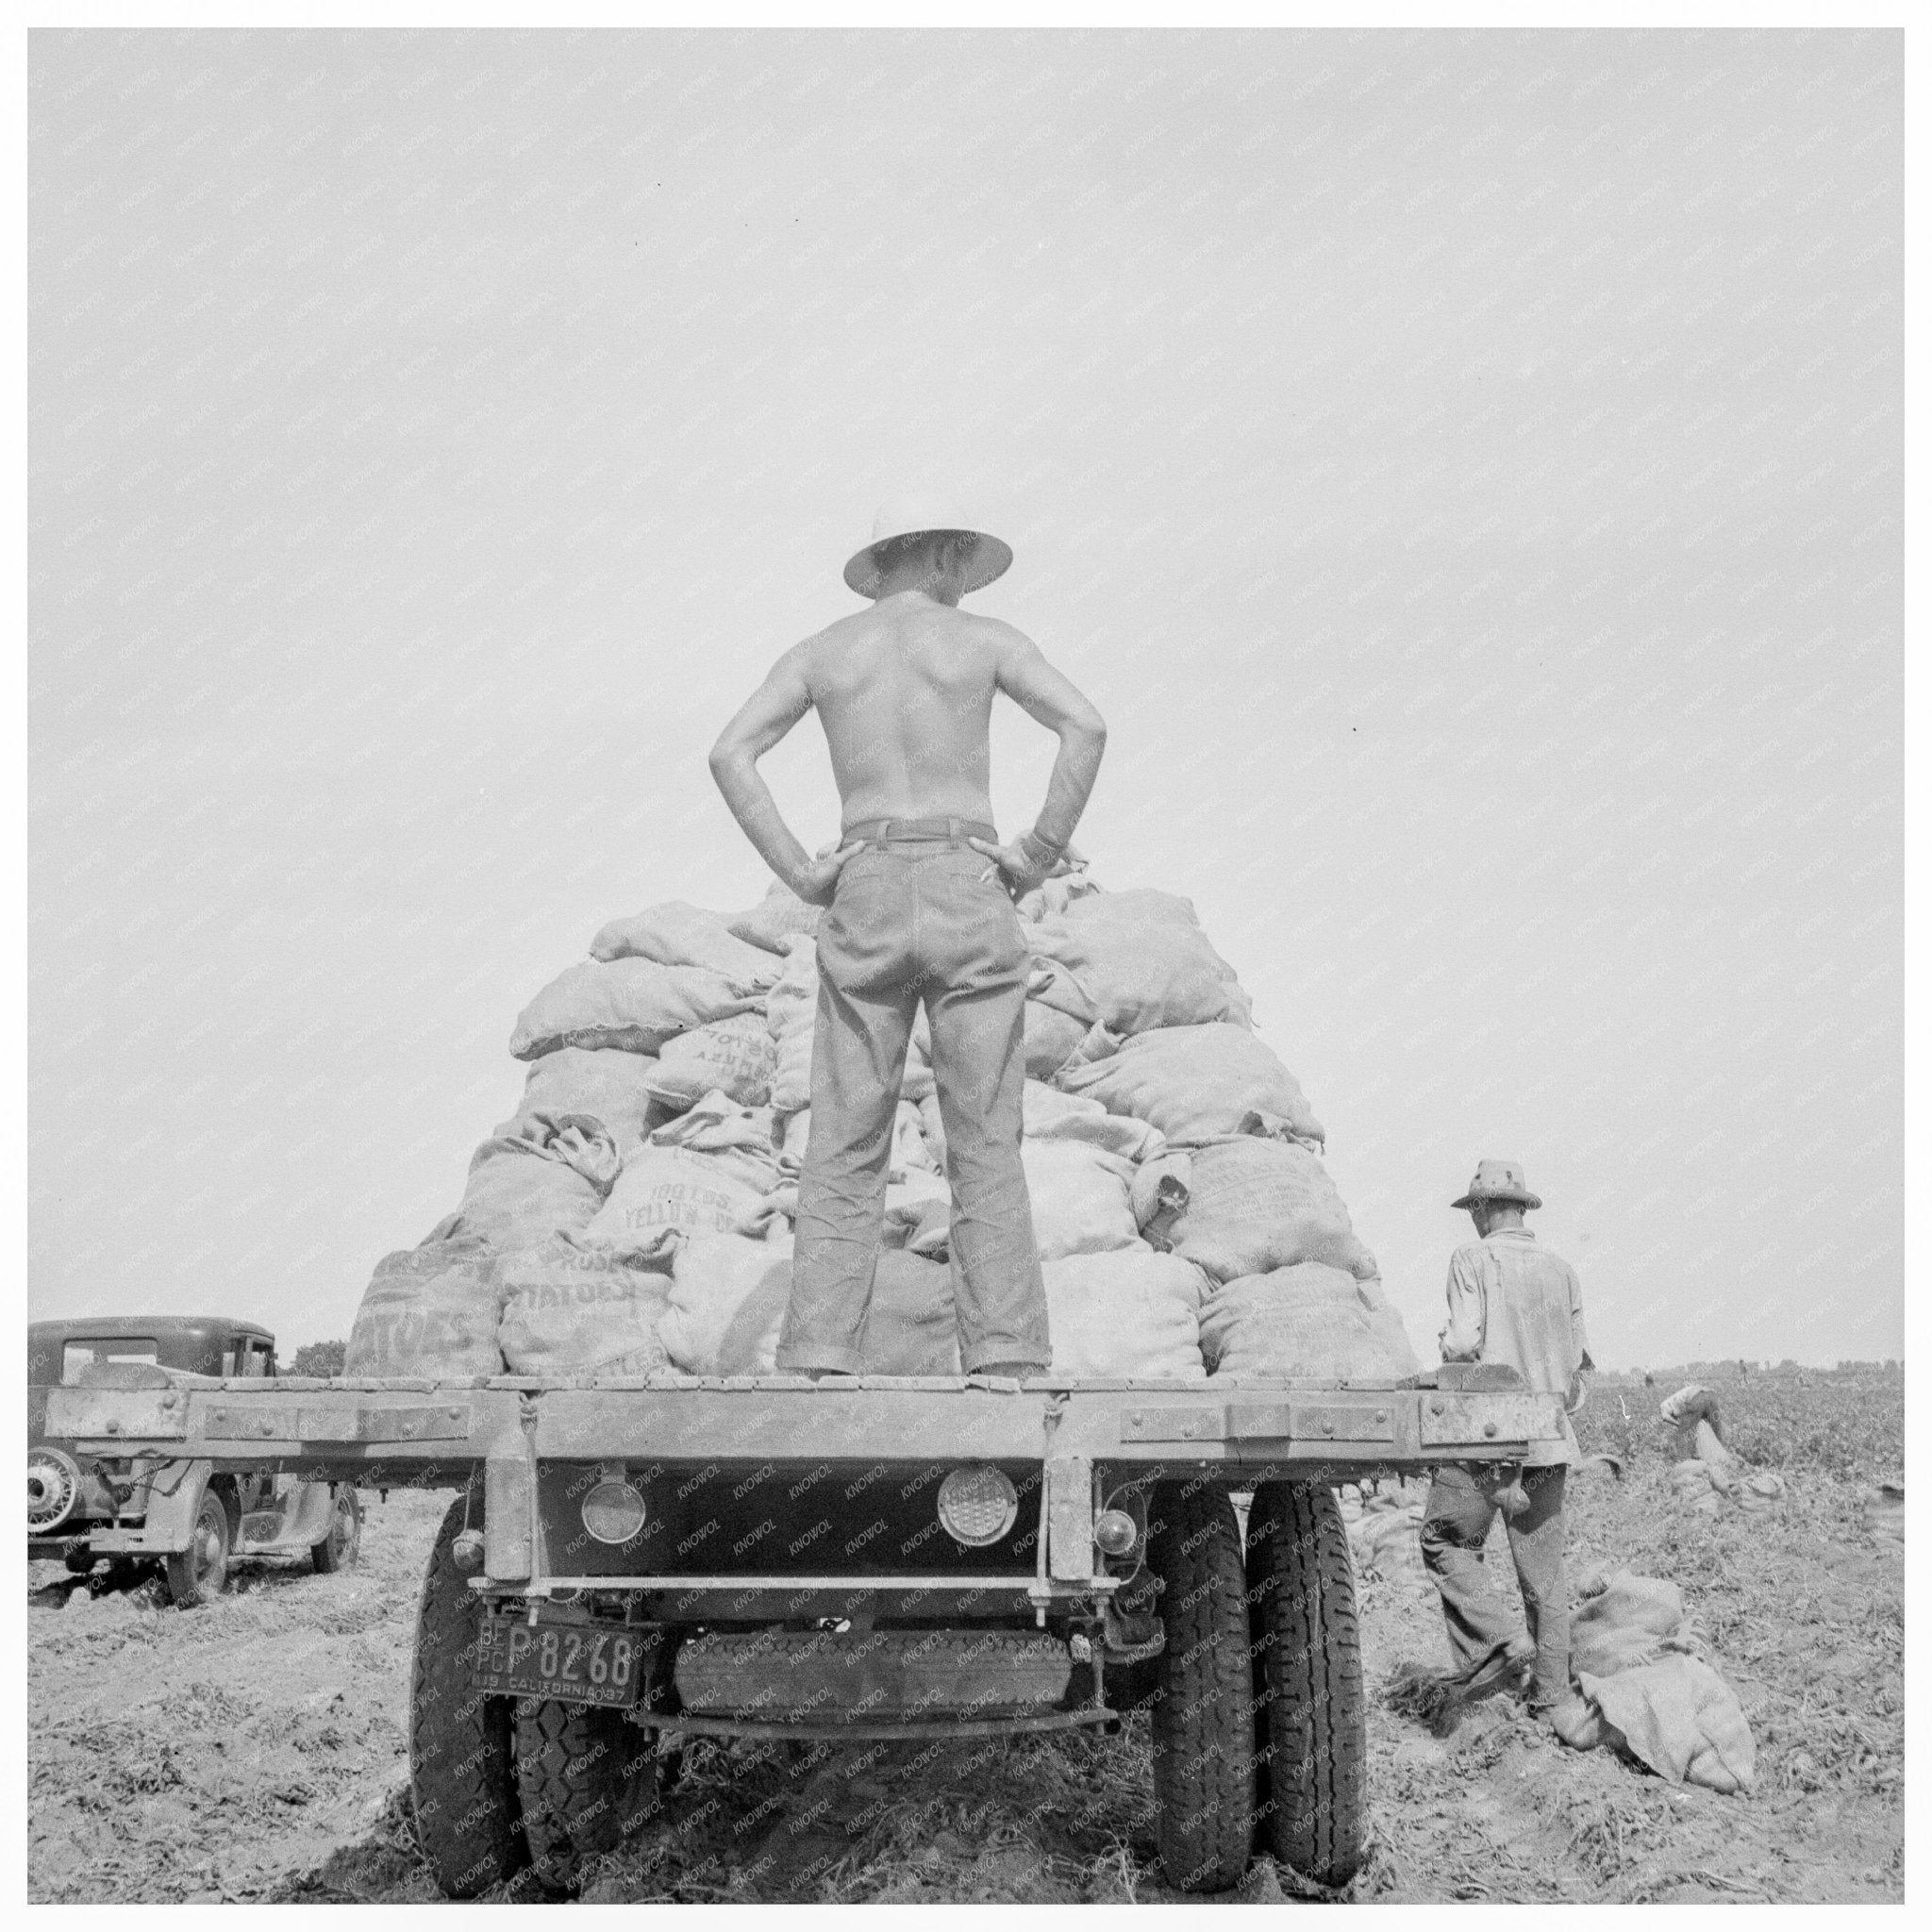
189	1520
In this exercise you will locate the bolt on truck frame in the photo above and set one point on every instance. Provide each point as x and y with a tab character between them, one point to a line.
878	1558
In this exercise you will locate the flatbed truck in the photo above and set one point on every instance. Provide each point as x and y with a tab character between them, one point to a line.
858	1558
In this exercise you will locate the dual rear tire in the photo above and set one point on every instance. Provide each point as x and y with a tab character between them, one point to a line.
1260	1729
1260	1725
586	1780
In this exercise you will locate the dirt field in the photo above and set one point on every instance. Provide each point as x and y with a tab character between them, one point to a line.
254	1749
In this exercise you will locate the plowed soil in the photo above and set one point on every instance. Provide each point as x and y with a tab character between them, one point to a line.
254	1749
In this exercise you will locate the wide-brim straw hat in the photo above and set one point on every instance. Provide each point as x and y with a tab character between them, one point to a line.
921	515
1499	1180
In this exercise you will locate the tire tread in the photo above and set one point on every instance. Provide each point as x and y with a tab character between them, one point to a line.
1202	1723
1310	1713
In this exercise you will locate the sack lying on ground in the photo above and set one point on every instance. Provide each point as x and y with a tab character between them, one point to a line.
428	1311
1706	1488
1386	1538
1255	1205
680	935
1130	1312
1082	1198
704	1172
612	1086
633	1003
1697	1486
726	1300
574	1311
790	1013
1142	961
538	1175
1680	1718
1309	1321
736	1056
778	916
1882	1510
1757	1490
1047	1114
1196	1083
1626	1623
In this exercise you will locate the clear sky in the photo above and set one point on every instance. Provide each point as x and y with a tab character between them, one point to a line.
1463	468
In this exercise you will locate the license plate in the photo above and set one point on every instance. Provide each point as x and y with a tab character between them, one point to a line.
579	1663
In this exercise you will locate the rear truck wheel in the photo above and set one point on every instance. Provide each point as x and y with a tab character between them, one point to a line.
339	1548
586	1778
1202	1725
462	1778
1311	1721
201	1571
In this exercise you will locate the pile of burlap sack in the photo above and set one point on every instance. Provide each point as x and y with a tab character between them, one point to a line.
1648	1691
636	1213
1711	1480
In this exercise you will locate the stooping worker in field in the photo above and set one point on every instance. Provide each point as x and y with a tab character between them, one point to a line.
1693	1414
920	893
1509	1301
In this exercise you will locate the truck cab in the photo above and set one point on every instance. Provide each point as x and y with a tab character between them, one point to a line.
84	1507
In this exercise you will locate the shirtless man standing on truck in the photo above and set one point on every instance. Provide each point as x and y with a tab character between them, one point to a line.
920	892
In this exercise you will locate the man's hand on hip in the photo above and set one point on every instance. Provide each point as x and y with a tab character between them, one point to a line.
1021	866
817	880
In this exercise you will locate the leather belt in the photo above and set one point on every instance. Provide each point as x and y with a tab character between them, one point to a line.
909	831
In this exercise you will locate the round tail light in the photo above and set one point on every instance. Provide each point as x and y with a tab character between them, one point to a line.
977	1506
1115	1532
614	1512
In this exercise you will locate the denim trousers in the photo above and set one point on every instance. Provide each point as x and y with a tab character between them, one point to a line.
913	922
1455	1526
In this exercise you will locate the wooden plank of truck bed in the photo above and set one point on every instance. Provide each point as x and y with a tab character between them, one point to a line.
928	1419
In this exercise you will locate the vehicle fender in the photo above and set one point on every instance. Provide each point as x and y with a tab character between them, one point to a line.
308	1513
295	1516
173	1500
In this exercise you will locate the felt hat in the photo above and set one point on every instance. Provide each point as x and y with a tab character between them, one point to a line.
1498	1180
919	513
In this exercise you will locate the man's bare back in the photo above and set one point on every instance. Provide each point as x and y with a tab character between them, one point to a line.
905	691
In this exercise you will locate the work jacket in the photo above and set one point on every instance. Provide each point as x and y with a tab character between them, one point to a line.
1511	1301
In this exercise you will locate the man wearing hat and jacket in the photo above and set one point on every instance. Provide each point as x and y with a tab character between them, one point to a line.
1509	1301
920	894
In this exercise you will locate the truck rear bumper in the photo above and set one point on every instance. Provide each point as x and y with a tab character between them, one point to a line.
793	1677
740	1438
